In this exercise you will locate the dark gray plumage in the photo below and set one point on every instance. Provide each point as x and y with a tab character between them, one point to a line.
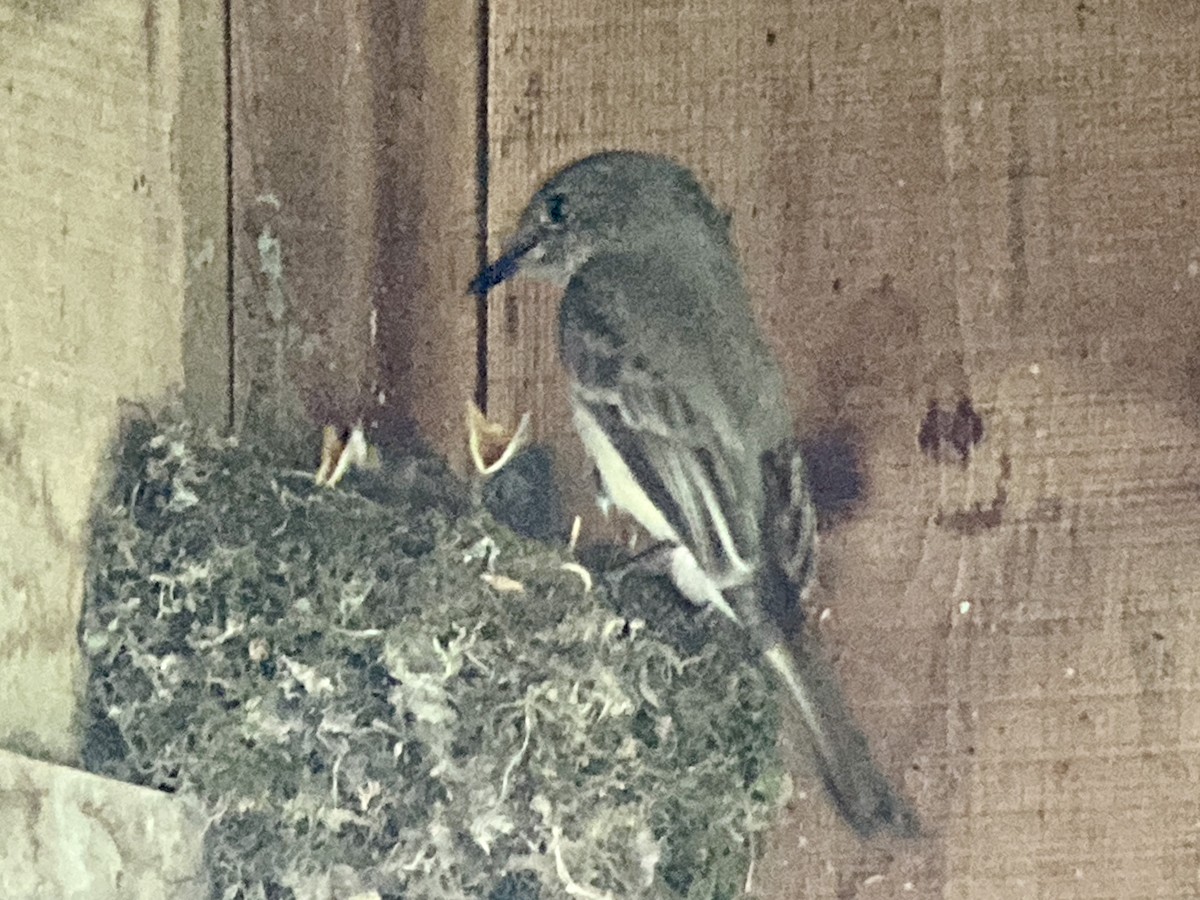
682	409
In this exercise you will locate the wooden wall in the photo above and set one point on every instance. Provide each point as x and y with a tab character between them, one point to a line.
111	230
936	202
939	201
355	227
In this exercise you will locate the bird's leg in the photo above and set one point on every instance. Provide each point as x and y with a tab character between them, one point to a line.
603	501
654	560
678	564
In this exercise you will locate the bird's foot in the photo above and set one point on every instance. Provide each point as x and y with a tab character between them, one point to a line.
654	560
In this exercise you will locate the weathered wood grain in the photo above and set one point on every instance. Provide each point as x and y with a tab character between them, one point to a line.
354	214
91	307
70	834
936	201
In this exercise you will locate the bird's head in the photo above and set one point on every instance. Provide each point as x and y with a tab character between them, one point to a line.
612	202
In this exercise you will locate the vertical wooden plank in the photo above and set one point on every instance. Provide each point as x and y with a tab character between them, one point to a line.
303	213
427	239
935	200
200	146
1070	147
91	310
353	130
782	145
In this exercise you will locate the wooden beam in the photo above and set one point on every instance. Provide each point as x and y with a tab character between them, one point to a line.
354	215
201	145
92	209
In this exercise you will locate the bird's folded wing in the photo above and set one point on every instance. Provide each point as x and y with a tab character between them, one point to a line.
669	429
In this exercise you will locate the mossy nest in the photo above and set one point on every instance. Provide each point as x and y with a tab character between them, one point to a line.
352	686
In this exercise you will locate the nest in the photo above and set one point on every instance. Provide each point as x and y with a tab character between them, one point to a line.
378	691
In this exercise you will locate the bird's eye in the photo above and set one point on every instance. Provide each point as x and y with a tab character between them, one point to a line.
556	208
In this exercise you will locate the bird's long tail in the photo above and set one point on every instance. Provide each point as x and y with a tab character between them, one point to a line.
864	796
862	793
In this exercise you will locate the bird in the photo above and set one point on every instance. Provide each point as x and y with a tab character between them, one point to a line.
681	407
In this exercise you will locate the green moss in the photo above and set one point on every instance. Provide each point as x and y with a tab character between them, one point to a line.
329	675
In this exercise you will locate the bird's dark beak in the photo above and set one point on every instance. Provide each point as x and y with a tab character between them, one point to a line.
501	270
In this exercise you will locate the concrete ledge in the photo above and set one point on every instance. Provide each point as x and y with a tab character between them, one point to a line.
70	834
